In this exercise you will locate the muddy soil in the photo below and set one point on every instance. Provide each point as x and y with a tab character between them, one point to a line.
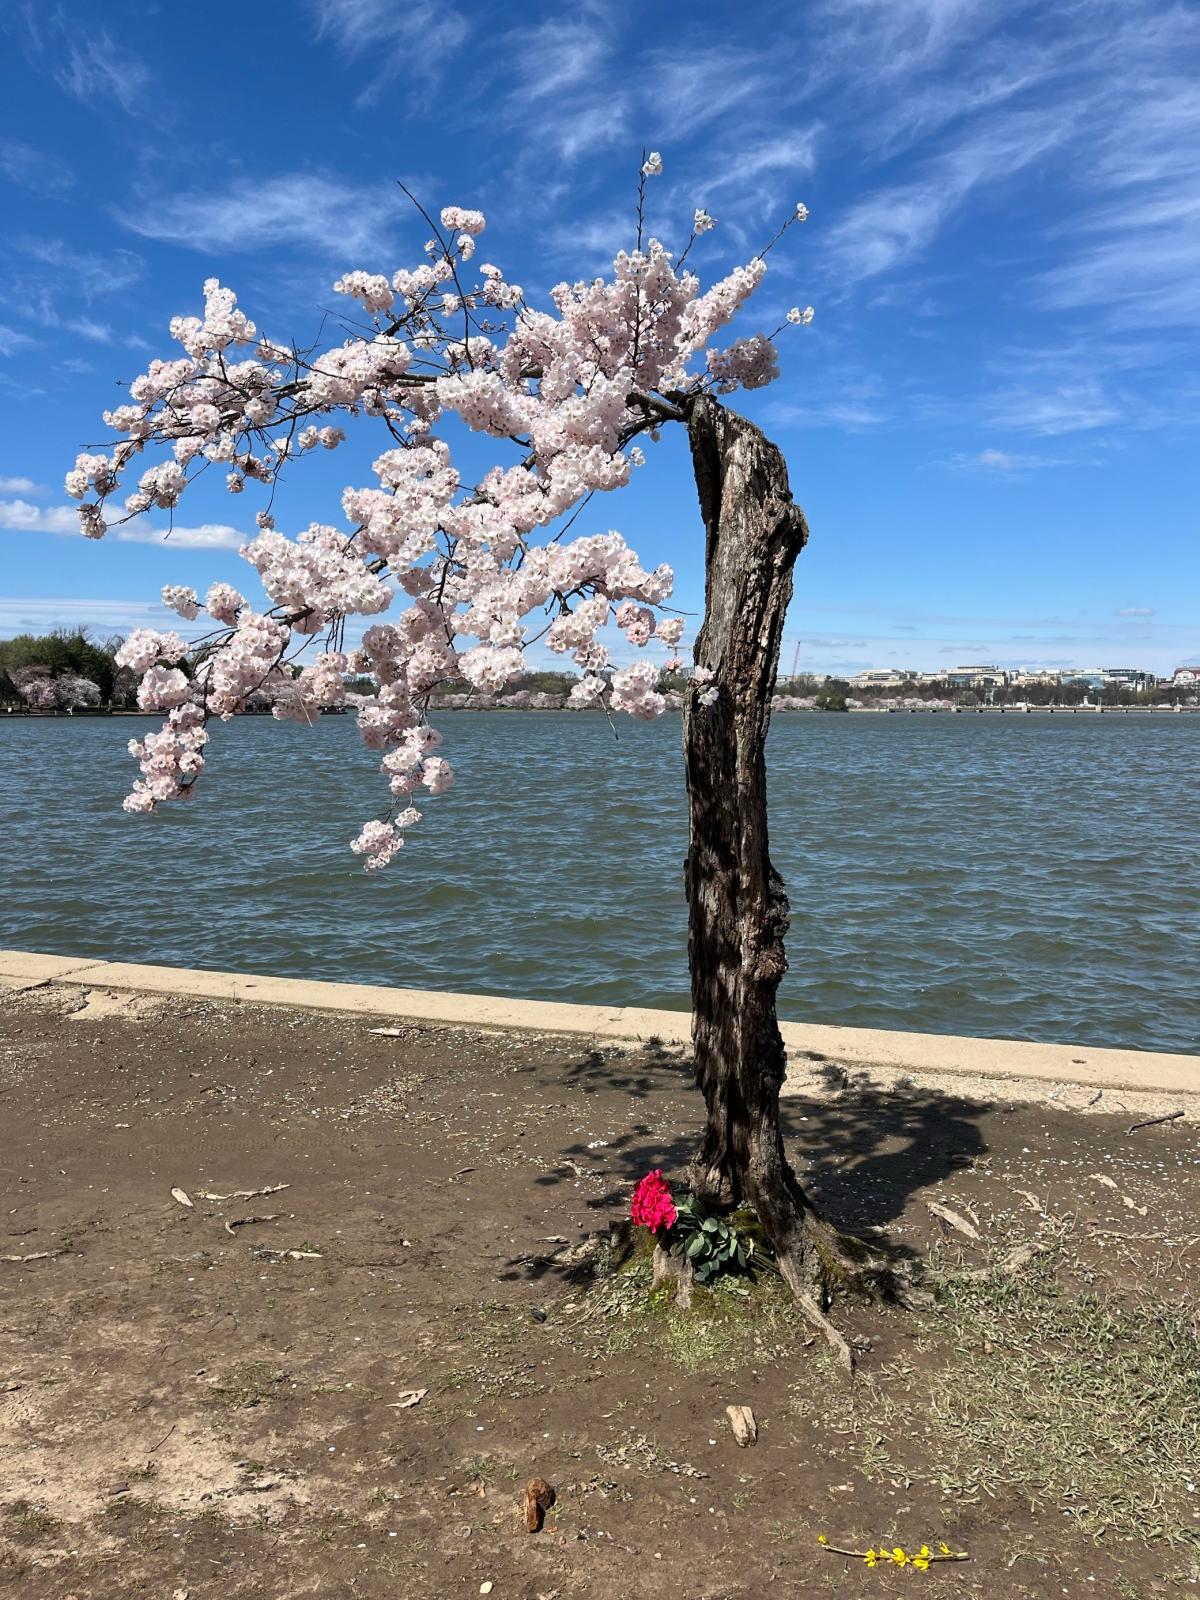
339	1383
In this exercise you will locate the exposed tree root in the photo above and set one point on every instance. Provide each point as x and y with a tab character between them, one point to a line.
820	1263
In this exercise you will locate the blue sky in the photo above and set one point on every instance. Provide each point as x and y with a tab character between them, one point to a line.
992	423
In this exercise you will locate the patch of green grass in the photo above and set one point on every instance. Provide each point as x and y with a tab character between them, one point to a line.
479	1469
1068	1399
736	1322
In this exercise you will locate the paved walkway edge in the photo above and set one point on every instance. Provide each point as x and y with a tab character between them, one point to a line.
808	1043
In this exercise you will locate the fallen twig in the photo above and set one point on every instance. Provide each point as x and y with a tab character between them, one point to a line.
243	1194
244	1222
264	1250
37	1255
898	1555
1153	1122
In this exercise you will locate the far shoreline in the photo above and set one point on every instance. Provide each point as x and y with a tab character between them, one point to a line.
11	714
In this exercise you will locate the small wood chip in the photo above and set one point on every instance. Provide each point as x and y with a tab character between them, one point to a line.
183	1197
408	1398
38	1255
741	1420
953	1218
539	1497
388	1033
1101	1177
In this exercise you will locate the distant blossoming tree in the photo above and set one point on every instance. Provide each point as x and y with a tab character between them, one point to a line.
567	391
67	692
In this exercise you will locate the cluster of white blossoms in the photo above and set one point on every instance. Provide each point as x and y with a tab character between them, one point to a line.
481	568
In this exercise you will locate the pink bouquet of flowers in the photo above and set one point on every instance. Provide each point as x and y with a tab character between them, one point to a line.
710	1243
652	1206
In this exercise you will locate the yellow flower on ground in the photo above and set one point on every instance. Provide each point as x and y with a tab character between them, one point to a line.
821	1539
921	1563
944	1548
870	1558
900	1557
924	1550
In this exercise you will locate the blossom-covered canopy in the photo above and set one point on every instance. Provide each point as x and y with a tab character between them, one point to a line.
479	570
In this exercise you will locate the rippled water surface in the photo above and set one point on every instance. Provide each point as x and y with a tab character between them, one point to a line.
1024	877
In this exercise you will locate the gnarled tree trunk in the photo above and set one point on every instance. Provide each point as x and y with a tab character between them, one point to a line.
737	908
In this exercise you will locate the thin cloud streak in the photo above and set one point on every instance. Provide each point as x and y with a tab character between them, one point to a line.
20	516
309	211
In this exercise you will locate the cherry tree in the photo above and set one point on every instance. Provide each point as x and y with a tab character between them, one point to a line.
66	692
472	573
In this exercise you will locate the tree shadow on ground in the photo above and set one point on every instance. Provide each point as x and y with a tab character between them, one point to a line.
861	1150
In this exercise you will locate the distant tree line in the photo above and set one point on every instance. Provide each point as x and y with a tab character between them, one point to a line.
70	671
838	694
63	671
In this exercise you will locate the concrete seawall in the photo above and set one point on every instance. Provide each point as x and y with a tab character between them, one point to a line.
1081	1076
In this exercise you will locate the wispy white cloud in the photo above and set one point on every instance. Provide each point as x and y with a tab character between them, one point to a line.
891	227
89	328
309	211
852	415
687	90
896	39
34	169
1068	408
93	68
12	339
1136	611
1136	255
20	486
413	40
200	536
793	153
42	613
562	53
90	273
1006	463
21	516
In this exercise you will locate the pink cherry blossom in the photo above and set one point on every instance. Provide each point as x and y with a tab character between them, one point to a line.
470	573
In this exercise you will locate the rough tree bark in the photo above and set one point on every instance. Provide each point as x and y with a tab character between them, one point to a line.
737	908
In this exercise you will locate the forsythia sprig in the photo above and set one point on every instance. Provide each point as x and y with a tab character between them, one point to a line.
896	1554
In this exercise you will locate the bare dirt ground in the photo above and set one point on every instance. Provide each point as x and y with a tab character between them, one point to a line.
210	1399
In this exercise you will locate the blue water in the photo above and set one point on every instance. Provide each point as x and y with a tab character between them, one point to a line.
1024	877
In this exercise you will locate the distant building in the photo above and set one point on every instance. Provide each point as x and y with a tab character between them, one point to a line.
1184	677
883	678
1136	678
978	677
